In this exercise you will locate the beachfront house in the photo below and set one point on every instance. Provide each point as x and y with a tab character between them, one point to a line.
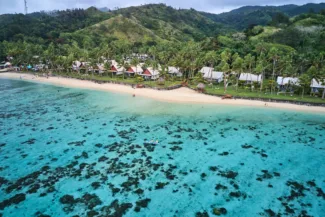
131	71
317	87
214	75
100	68
150	73
249	78
76	65
209	73
286	84
116	68
206	69
281	81
173	71
5	65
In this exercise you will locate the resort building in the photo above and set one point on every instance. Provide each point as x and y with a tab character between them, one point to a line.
206	69
316	87
150	73
116	68
209	73
5	65
135	70
76	65
173	71
100	68
249	78
214	75
287	80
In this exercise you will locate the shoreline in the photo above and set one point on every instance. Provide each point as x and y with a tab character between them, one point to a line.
180	95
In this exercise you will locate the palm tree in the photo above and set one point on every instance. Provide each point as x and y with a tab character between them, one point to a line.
226	70
224	65
261	66
135	62
107	67
238	66
249	61
274	56
304	81
313	73
153	52
322	81
163	72
120	63
212	58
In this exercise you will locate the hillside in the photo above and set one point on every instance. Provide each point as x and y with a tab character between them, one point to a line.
150	22
47	25
304	33
122	28
173	24
243	17
153	24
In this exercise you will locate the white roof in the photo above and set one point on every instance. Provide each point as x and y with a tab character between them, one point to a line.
250	77
7	64
213	75
117	66
100	66
316	84
137	69
286	80
76	63
152	71
206	69
172	70
114	63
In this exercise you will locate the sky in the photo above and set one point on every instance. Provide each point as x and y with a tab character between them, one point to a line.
212	6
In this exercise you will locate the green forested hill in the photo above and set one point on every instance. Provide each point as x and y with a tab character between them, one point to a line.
47	25
156	21
121	28
179	35
243	17
174	24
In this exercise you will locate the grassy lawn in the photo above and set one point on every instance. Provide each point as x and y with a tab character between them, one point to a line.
218	89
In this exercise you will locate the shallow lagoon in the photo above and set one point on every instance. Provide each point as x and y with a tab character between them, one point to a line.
69	152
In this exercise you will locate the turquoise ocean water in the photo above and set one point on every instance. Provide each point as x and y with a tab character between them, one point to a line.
73	152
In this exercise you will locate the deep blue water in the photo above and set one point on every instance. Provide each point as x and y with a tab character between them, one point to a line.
72	152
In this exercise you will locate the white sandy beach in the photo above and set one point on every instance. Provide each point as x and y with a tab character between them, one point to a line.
181	95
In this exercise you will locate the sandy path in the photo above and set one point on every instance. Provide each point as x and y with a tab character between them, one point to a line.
181	95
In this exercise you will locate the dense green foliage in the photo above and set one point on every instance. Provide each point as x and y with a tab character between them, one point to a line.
244	17
187	39
47	25
170	23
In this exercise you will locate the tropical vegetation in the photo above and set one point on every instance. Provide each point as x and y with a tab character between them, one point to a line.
285	41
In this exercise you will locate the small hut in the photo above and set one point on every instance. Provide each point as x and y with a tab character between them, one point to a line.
200	87
316	86
249	78
150	73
